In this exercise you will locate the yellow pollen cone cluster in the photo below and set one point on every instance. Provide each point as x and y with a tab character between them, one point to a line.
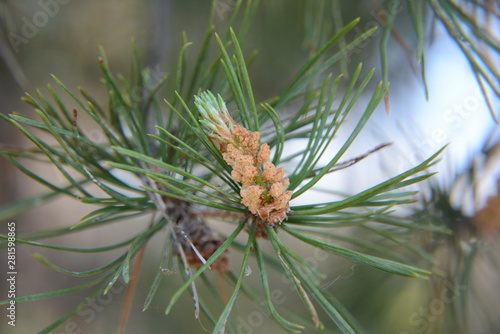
263	186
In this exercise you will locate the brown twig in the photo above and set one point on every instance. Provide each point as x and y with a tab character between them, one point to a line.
130	293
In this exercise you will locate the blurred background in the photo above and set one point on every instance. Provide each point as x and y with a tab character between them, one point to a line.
40	38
